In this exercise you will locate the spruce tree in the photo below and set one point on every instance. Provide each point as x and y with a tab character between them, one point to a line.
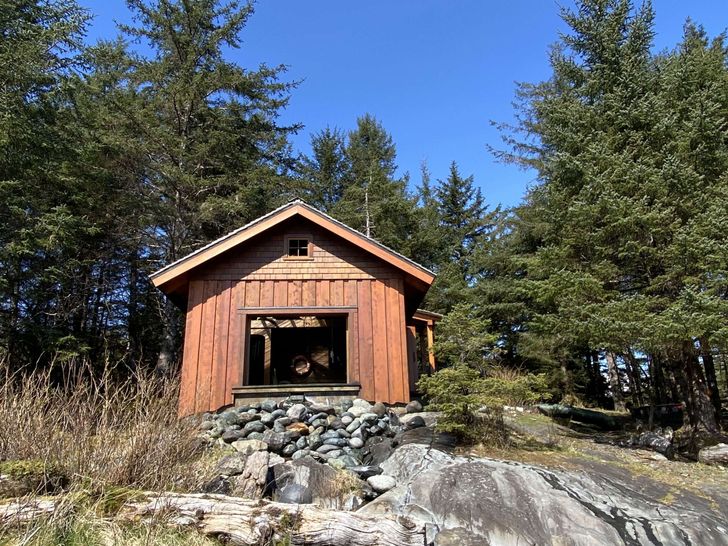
217	157
631	159
325	173
375	200
465	225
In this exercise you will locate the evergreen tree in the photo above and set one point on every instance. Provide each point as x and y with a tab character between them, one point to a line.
427	246
38	230
627	148
216	156
326	172
465	225
375	200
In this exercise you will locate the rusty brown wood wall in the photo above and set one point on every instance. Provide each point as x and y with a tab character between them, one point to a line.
340	275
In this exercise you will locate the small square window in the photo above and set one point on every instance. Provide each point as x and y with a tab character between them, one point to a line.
298	247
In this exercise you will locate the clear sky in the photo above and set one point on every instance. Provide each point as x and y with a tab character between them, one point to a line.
435	72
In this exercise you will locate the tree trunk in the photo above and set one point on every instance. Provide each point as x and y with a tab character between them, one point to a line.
170	334
710	376
590	417
701	412
634	377
615	385
248	522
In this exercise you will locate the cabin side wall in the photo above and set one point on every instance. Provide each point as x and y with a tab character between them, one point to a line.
340	275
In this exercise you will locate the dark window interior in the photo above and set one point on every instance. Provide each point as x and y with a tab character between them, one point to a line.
298	247
301	355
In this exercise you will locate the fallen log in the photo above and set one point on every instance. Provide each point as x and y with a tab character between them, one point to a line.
652	441
717	455
590	417
243	522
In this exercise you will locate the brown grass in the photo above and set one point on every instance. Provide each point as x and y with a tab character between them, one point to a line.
102	431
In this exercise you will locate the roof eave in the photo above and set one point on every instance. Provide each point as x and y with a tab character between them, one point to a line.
168	273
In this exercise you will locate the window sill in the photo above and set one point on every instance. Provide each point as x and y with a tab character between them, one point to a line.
297	258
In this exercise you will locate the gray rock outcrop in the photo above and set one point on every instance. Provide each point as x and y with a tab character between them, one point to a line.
508	503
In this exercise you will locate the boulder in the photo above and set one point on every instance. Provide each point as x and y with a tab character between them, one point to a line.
248	446
219	485
380	409
355	424
339	442
458	537
269	405
274	459
415	422
231	465
336	463
275	440
267	418
430	417
229	417
717	454
322	408
300	454
415	406
359	403
381	483
253	426
300	428
527	504
315	441
349	461
315	417
294	493
328	487
377	453
297	411
252	481
366	471
230	435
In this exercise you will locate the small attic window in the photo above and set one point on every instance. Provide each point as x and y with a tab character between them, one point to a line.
298	247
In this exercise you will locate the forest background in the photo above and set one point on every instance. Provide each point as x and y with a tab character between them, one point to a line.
610	277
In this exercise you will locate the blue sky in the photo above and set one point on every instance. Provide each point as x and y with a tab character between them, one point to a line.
435	72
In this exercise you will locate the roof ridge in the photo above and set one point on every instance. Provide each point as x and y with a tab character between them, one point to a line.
297	201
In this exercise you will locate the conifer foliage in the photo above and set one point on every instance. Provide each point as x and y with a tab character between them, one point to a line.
608	283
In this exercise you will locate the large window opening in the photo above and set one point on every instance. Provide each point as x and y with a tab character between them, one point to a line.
297	350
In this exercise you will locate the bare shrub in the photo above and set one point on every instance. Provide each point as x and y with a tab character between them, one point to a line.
120	432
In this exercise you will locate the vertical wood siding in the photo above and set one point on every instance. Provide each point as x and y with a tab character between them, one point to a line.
377	340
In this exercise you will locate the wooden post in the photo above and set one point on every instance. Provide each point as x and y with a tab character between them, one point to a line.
430	345
244	348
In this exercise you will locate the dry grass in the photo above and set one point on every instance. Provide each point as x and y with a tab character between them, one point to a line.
121	433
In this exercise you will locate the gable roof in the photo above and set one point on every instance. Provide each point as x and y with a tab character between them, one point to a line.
163	277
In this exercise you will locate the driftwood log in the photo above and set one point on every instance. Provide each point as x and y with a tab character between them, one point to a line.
717	454
247	522
590	417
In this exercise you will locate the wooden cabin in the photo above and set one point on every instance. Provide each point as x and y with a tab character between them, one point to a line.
298	304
